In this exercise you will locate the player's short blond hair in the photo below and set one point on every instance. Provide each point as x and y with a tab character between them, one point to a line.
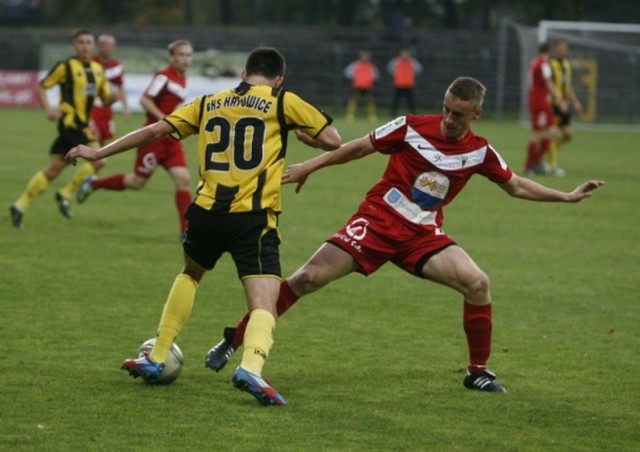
178	43
468	88
106	38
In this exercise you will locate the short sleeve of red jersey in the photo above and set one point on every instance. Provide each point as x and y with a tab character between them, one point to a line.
495	168
386	138
303	115
185	119
102	85
157	84
115	74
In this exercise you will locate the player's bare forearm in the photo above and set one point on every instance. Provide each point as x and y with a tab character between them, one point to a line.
150	107
52	115
328	139
352	150
520	187
129	141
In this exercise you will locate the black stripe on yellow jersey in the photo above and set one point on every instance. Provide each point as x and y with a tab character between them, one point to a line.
242	144
79	84
561	72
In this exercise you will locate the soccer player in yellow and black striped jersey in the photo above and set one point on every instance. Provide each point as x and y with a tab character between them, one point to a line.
241	148
562	109
81	80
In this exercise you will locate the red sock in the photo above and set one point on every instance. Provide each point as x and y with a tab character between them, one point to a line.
183	199
115	182
544	147
286	299
478	326
533	155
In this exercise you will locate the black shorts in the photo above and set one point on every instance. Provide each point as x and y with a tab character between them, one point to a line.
562	119
252	239
70	137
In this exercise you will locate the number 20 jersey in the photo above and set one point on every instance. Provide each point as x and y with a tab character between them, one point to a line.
242	144
426	170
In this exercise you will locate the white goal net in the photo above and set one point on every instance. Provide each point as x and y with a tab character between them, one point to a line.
605	60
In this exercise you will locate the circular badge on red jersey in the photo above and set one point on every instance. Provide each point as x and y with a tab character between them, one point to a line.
430	189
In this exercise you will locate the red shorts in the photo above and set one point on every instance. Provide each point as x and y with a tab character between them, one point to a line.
164	151
541	115
374	236
102	123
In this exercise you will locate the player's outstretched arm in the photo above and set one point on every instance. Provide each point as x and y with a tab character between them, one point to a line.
521	187
328	139
298	173
131	140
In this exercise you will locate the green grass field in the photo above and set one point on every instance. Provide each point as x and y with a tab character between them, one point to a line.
366	364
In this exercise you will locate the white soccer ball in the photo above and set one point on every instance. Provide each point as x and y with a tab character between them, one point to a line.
173	365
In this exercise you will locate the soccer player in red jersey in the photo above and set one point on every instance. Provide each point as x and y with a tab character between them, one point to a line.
431	158
102	121
167	90
541	91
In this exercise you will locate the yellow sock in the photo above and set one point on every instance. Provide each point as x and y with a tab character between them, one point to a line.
352	107
36	185
177	310
372	116
85	170
552	154
258	340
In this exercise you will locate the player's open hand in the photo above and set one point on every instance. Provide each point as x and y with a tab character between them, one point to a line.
585	190
296	173
81	151
53	115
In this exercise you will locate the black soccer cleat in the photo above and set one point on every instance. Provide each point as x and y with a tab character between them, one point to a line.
483	381
16	216
221	353
64	206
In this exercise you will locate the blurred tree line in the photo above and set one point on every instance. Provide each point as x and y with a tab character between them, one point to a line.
395	16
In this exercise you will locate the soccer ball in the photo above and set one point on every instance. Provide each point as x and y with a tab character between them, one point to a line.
173	365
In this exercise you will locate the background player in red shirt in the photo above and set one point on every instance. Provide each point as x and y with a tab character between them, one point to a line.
431	158
102	121
541	91
167	90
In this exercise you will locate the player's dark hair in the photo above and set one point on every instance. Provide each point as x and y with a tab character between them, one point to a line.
175	44
543	47
265	61
559	41
468	88
81	33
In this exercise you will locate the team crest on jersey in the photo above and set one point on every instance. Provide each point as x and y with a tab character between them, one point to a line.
430	189
389	127
357	229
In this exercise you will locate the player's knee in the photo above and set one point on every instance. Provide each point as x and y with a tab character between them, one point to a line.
477	287
134	182
306	280
183	183
99	164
